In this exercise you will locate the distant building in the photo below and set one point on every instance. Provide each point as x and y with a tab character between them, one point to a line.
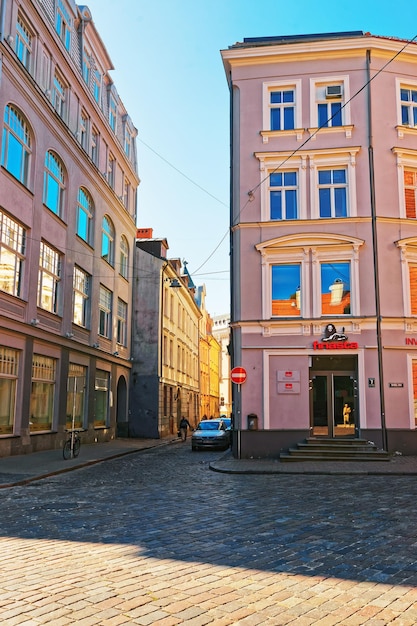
68	181
324	239
221	332
209	362
165	343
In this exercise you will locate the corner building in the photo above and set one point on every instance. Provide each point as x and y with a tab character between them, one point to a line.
324	239
68	179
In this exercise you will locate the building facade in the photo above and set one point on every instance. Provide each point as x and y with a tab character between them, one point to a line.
68	180
165	343
210	361
324	239
221	332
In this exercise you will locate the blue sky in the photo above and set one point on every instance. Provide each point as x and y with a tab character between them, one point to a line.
169	74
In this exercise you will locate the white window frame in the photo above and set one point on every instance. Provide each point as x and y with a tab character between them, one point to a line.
406	159
54	171
267	88
81	297
49	279
408	255
59	95
12	255
403	129
310	252
272	162
336	159
318	84
24	42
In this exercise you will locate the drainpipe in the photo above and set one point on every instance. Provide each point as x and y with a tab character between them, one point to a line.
2	18
375	254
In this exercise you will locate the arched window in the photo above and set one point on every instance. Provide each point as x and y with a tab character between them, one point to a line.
53	183
85	216
107	240
124	257
16	144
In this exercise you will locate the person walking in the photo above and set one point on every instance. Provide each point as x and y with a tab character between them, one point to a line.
184	426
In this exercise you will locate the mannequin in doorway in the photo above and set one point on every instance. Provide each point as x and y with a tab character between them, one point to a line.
346	414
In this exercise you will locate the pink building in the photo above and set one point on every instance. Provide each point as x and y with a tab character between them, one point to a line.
68	179
324	239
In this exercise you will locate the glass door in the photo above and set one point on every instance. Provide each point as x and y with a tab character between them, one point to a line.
333	404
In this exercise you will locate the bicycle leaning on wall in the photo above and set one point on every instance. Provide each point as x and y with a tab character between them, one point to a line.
72	445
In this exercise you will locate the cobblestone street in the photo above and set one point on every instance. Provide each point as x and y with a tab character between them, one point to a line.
158	538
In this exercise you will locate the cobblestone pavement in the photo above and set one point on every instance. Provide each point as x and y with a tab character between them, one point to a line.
158	538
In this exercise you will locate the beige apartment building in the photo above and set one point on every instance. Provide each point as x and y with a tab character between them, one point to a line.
68	180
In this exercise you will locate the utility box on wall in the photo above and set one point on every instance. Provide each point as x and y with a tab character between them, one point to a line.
252	421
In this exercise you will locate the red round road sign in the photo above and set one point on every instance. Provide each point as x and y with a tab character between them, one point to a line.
238	375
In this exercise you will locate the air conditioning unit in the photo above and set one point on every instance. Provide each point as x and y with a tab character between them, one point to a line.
333	91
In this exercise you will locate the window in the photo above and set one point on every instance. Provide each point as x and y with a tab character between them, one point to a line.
121	323
49	279
107	240
410	189
76	396
94	145
280	111
16	145
12	255
111	171
335	288
42	394
408	249
124	257
81	302
86	66
282	107
102	399
112	113
23	45
53	183
105	311
332	185
9	369
329	104
286	291
63	23
126	194
128	142
59	95
83	132
310	276
97	86
408	106
283	195
85	214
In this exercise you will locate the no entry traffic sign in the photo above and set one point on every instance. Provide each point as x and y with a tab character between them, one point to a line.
238	375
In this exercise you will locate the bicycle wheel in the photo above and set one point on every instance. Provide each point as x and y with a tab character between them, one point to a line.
77	446
66	451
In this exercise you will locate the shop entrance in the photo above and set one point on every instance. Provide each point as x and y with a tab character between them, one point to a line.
333	397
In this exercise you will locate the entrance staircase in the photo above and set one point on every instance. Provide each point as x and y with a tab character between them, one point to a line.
322	449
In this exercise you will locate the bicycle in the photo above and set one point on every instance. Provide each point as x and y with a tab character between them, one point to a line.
72	445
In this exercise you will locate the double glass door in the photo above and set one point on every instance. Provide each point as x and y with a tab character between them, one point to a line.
333	403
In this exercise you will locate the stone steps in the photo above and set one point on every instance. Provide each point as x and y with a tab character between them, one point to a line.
322	449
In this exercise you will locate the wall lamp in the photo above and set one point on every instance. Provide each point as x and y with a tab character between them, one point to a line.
69	334
96	345
115	353
174	282
34	321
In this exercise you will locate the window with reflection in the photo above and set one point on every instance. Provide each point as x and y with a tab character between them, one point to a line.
105	312
53	183
81	298
124	257
9	364
286	290
102	397
335	288
85	214
23	46
49	278
42	393
12	255
16	147
107	240
283	195
332	185
76	396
